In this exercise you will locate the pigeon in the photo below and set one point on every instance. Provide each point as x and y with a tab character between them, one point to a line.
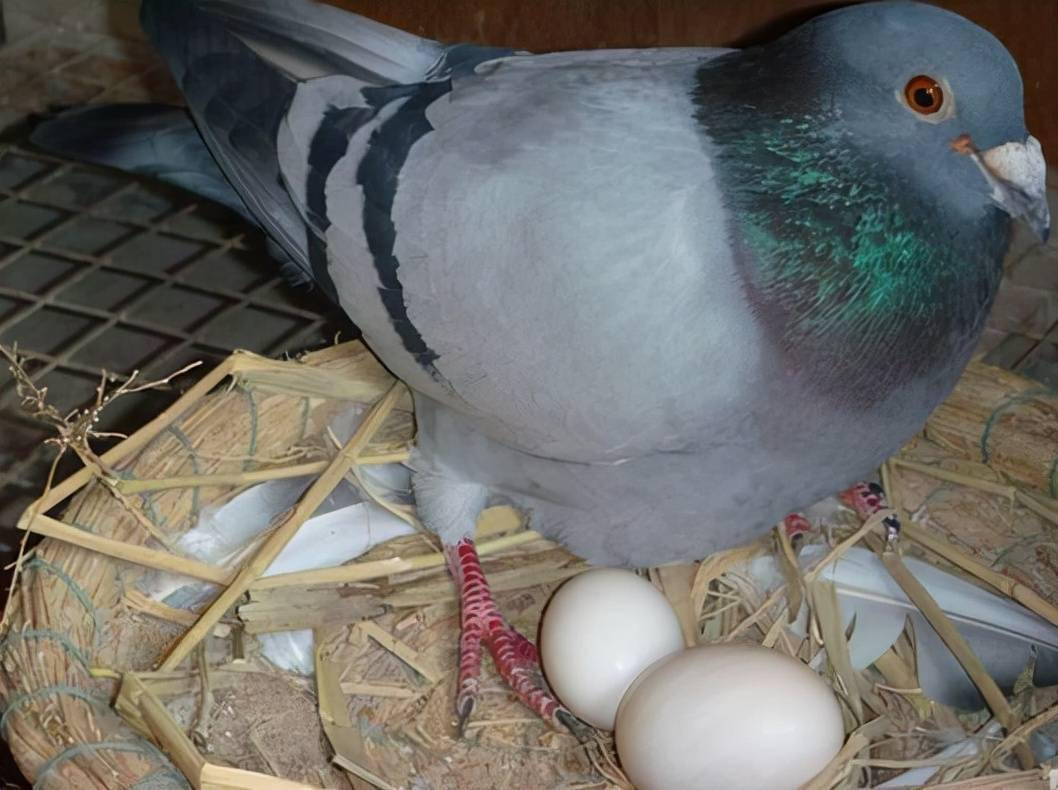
655	298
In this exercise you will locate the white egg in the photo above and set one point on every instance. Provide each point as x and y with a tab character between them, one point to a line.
601	629
730	717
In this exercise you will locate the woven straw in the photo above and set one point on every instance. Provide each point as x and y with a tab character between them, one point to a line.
197	705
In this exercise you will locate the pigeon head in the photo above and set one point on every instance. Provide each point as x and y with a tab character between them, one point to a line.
935	95
872	160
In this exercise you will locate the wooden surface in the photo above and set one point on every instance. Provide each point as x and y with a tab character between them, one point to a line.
1028	28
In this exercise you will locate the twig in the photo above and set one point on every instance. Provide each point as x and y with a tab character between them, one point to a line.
130	552
401	650
716	565
761	610
17	572
248	478
840	765
791	570
1019	592
947	475
1018	736
142	437
377	569
77	428
200	732
1033	502
287	528
957	644
842	548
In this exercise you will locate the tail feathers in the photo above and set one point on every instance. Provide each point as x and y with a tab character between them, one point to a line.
148	139
154	140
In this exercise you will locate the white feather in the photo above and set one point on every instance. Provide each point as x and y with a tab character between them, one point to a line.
343	528
1003	634
967	747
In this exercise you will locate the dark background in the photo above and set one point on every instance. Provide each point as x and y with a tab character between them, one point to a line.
1029	29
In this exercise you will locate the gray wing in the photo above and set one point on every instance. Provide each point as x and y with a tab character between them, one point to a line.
508	231
237	102
240	64
555	240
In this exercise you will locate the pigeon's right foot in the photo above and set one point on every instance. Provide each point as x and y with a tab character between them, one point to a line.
796	525
483	626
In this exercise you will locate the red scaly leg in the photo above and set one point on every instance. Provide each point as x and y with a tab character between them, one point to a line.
796	525
865	499
482	626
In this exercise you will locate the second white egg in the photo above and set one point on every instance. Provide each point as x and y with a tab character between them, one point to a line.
599	631
727	717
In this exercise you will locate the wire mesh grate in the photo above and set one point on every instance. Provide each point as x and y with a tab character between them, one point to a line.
103	272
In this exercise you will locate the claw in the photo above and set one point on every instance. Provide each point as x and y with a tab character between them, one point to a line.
483	626
865	499
464	707
581	731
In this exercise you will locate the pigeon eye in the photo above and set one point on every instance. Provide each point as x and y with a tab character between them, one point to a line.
924	95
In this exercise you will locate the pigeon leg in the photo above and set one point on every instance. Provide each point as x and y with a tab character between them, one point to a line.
483	627
867	499
796	525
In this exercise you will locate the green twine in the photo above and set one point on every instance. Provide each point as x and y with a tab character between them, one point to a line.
155	780
252	450
1016	400
37	563
196	491
19	701
47	633
151	513
80	749
145	499
1052	478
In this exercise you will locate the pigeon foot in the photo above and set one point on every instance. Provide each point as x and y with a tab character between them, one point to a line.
482	626
866	499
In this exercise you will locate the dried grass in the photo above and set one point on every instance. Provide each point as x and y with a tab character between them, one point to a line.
386	625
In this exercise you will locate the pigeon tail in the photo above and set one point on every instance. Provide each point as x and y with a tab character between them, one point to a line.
154	140
146	139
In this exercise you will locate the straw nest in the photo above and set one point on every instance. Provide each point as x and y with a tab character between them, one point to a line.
103	686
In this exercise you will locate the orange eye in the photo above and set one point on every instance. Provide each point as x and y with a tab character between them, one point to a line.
924	95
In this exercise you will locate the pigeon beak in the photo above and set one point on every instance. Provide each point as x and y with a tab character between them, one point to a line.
1017	174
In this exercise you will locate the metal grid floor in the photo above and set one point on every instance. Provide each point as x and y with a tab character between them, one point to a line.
101	271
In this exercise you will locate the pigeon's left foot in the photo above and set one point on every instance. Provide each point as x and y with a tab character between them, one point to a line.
867	499
482	626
